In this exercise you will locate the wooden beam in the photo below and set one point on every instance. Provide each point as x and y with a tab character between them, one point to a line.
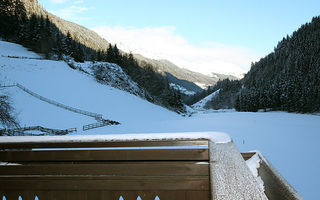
78	183
132	168
104	155
84	144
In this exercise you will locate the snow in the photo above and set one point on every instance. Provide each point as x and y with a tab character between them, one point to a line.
254	163
113	75
11	49
199	106
55	80
231	178
289	141
216	137
275	173
7	163
202	85
183	90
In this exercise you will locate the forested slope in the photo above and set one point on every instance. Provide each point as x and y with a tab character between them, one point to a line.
287	79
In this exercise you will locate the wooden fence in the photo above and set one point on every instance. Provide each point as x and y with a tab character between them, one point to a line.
83	112
105	170
48	131
99	124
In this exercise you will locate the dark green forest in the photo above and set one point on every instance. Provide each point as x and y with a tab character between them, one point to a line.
287	79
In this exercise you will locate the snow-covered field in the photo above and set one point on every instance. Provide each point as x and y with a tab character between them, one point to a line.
289	141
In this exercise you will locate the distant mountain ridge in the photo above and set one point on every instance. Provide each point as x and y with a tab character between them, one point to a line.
193	81
92	40
85	36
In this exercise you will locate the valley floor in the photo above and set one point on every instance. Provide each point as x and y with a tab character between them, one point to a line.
289	141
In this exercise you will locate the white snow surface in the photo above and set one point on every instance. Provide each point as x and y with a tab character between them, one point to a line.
254	164
16	50
216	137
289	141
199	106
55	80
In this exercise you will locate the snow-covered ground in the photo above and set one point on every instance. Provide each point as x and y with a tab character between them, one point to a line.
289	141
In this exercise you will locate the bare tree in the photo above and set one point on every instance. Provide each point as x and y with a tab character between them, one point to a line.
7	118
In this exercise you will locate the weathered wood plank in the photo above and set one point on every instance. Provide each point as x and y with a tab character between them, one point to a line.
27	195
101	155
172	195
69	183
247	155
198	195
134	168
76	195
84	144
11	195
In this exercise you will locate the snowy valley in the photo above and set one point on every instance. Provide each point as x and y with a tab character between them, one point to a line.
289	141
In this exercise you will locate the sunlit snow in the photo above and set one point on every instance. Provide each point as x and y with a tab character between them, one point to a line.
289	141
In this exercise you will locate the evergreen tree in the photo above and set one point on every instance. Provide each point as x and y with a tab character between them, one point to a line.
58	47
67	44
12	15
78	55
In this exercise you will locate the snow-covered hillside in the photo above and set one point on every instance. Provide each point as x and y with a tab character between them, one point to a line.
110	74
55	80
289	141
199	106
15	50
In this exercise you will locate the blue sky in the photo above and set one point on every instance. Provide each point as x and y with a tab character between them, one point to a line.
250	27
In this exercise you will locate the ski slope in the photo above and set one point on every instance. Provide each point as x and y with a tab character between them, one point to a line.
289	141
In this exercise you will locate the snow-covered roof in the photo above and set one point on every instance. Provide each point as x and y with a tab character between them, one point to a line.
216	137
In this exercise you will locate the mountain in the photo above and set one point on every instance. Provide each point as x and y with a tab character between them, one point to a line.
57	39
287	79
191	81
85	36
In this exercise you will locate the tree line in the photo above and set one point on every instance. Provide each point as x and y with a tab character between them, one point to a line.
287	79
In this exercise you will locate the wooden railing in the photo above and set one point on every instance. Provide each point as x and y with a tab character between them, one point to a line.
177	169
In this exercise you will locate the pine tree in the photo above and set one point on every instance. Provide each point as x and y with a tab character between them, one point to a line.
58	47
67	44
78	55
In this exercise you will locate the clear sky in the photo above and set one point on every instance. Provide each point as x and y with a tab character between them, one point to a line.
237	32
